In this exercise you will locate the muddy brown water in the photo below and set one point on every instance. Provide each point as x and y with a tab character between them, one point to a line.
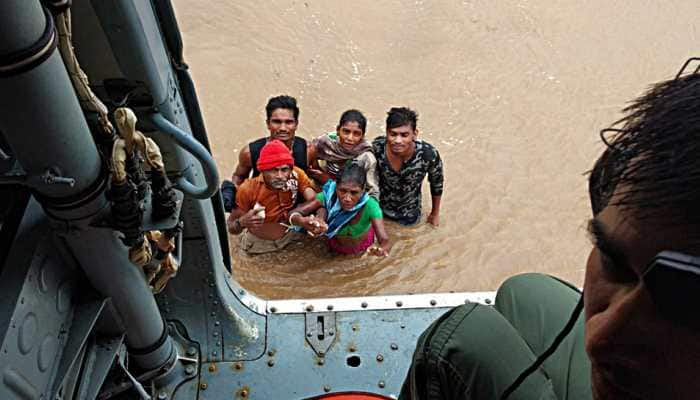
512	93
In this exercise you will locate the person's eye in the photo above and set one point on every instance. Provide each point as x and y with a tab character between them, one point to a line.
616	272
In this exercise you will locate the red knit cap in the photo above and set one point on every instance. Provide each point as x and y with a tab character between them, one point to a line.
274	154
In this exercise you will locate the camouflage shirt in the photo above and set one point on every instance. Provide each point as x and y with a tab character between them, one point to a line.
400	192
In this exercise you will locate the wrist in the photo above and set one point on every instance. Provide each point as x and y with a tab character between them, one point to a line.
299	220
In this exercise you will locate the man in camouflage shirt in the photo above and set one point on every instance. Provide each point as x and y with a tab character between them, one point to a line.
402	163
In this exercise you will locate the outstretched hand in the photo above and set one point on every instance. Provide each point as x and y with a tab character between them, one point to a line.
434	219
378	251
314	226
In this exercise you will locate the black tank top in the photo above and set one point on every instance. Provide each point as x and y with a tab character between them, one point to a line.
298	153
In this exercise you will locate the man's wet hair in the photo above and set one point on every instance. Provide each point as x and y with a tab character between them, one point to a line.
652	161
285	102
353	173
400	116
353	116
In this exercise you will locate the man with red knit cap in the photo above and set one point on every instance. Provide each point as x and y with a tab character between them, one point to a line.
262	202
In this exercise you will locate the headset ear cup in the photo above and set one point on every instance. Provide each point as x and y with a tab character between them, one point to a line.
673	281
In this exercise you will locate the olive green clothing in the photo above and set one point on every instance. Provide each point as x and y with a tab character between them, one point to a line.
475	351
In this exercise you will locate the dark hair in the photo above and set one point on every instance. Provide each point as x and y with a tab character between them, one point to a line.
400	116
284	101
355	173
353	116
652	162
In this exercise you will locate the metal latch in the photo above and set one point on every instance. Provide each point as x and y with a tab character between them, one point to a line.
320	331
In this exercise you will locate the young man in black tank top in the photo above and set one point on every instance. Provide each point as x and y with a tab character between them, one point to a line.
282	122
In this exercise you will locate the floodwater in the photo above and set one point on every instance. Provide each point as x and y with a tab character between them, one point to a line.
512	93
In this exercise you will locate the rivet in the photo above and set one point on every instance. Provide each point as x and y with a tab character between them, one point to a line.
321	353
213	313
309	334
238	366
273	309
399	303
352	349
215	333
394	346
216	302
162	395
271	353
331	332
488	301
320	361
326	388
203	386
212	367
217	323
214	353
433	302
189	370
380	357
191	351
244	392
355	328
329	307
382	384
364	304
310	307
270	363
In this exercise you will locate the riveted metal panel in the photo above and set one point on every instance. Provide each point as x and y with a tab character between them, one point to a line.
371	353
41	289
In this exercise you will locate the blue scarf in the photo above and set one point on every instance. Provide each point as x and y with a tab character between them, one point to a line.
337	217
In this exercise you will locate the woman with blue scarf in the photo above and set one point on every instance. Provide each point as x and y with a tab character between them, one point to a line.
346	215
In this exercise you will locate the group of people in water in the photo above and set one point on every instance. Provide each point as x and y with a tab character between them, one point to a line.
340	186
634	335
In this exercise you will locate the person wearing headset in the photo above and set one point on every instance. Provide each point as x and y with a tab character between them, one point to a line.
639	334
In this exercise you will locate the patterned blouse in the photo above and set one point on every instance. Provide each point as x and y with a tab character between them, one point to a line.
400	192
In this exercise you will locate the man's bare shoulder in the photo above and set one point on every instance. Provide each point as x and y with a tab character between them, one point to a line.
244	154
